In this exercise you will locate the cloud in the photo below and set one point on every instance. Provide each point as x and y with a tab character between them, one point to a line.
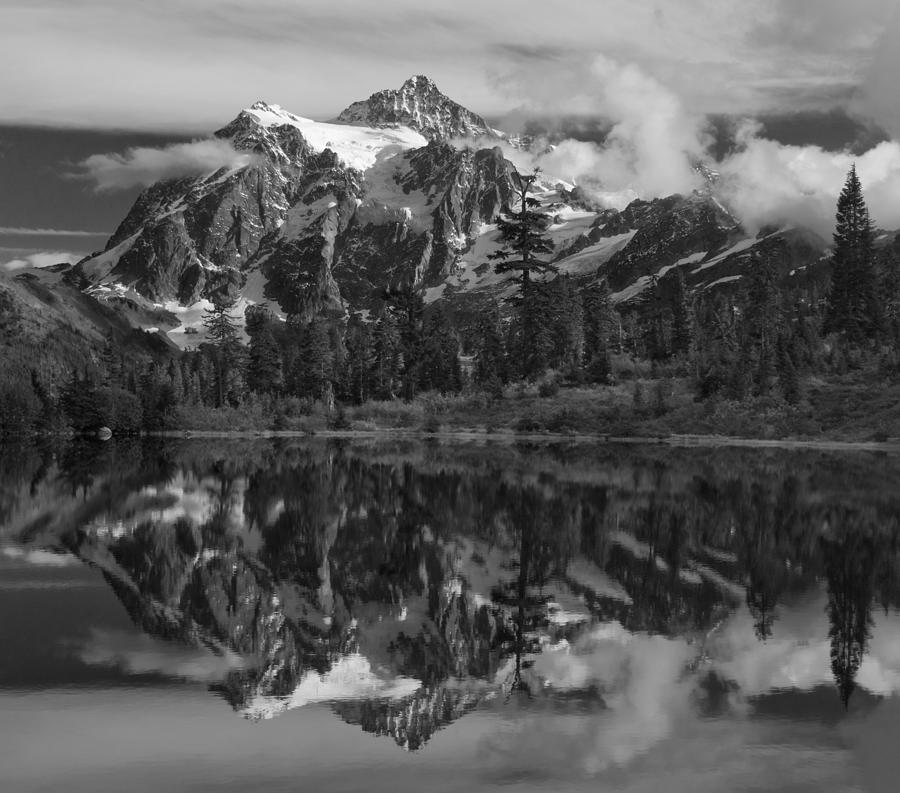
654	143
645	691
797	655
39	557
768	183
41	259
20	231
181	71
877	98
139	654
143	166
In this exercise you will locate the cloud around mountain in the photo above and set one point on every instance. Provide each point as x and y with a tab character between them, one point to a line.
142	166
655	141
40	259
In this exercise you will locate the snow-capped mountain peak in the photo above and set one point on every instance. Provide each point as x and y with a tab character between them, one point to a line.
355	146
419	104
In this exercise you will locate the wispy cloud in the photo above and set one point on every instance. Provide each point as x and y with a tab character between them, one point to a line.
20	231
143	166
40	259
139	654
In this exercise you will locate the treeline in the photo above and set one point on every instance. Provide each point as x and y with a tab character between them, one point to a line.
759	341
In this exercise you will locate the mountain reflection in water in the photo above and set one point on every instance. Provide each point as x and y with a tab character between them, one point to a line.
608	593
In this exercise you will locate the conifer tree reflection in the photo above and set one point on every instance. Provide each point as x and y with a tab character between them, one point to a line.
765	526
849	568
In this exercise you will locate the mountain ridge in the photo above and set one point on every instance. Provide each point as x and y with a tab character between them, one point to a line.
324	216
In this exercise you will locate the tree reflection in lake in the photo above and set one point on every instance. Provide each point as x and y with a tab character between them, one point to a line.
407	585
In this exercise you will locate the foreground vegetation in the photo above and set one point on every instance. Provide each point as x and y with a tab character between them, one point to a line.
857	407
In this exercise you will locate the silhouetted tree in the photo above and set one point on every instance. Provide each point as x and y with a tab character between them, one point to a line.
852	305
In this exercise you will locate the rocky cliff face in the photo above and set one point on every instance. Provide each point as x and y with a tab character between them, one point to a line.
420	105
321	217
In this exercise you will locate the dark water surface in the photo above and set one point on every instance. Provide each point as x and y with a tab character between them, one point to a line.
338	616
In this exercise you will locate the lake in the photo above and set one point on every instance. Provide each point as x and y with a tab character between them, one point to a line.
341	615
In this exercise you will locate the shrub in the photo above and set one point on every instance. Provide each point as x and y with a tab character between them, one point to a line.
431	424
549	388
338	420
528	423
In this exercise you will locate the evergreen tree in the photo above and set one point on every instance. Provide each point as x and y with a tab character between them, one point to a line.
658	328
110	361
49	417
524	246
889	291
80	401
761	322
788	378
264	367
360	360
176	383
490	370
849	571
682	317
313	370
388	356
536	342
222	333
852	301
566	325
600	322
408	308
439	368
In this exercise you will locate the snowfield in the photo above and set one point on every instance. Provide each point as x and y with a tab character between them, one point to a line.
358	147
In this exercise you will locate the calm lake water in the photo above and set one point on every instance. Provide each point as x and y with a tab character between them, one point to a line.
337	616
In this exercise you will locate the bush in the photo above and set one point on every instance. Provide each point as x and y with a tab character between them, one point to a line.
662	394
528	423
431	424
564	421
549	388
338	421
121	410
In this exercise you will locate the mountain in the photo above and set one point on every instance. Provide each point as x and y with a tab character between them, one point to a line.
417	104
51	326
320	218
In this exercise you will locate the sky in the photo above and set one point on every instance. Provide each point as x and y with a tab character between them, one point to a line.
101	76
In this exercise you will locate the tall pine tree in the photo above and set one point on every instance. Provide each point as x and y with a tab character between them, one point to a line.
439	369
222	333
524	247
852	308
264	368
490	371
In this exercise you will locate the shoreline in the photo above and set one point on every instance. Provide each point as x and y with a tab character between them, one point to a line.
676	441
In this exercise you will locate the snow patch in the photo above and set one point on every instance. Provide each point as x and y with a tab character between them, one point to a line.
357	147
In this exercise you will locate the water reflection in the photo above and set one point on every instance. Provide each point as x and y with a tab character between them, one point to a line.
611	593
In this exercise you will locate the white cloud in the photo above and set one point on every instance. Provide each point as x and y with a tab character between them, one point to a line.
766	182
39	557
655	142
138	654
645	692
20	231
797	655
143	166
41	259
